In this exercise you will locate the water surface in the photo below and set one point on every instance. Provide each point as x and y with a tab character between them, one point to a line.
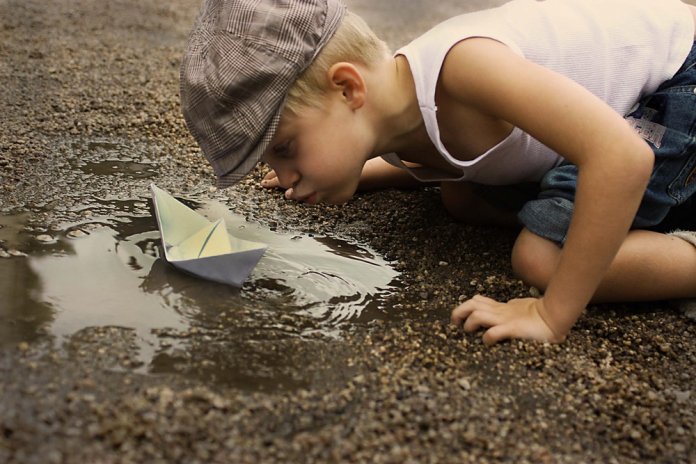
106	270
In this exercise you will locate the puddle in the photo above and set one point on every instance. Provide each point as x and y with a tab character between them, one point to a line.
326	278
107	159
105	270
128	168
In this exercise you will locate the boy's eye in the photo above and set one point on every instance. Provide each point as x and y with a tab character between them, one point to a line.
282	149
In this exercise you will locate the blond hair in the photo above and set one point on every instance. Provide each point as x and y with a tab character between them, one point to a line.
352	42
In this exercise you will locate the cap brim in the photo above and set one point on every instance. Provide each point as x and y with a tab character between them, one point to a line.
254	157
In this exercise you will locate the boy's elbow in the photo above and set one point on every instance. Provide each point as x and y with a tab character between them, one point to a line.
642	165
647	160
629	169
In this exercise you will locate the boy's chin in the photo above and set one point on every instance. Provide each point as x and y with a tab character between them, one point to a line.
337	199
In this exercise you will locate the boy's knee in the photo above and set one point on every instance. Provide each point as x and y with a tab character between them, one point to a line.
448	199
457	198
534	259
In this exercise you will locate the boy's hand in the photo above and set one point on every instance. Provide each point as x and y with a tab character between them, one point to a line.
518	318
270	180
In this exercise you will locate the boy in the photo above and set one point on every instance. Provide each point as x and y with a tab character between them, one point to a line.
526	91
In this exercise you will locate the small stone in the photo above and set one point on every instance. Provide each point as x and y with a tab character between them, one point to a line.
76	233
679	447
44	238
464	383
444	263
16	253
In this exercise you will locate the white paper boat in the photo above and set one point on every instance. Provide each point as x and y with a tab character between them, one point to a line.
204	248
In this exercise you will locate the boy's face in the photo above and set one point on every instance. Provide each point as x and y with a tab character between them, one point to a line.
318	155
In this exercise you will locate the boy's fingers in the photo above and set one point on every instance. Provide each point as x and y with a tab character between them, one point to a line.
270	183
462	312
270	180
480	319
484	299
496	334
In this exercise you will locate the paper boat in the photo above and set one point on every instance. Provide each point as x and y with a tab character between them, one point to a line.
201	247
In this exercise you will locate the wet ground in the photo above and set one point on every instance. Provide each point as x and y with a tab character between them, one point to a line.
337	349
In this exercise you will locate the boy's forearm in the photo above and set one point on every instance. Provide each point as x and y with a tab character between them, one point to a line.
605	205
378	174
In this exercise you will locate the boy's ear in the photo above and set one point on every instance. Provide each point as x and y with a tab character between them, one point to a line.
347	78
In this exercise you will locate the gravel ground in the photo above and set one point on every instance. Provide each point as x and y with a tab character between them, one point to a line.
406	387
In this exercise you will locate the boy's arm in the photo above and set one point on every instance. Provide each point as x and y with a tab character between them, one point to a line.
614	167
376	174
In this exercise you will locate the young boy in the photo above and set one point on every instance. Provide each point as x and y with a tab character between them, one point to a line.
529	91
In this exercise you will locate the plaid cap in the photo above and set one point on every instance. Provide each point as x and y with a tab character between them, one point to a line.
242	58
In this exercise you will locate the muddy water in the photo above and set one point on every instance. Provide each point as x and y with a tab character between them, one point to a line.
106	270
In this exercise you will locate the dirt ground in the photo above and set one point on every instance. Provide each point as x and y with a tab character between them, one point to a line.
404	387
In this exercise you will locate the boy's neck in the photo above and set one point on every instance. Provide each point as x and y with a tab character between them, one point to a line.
399	123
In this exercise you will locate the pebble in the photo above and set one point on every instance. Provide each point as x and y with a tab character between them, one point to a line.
682	396
464	384
679	447
44	238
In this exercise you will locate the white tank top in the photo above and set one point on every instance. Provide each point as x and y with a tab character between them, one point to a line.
619	50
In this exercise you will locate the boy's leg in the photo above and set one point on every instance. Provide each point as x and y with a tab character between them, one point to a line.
689	236
477	204
462	202
648	266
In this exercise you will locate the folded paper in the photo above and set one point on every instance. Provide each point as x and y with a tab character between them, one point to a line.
202	247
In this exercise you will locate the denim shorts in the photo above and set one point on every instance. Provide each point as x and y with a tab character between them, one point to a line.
666	119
